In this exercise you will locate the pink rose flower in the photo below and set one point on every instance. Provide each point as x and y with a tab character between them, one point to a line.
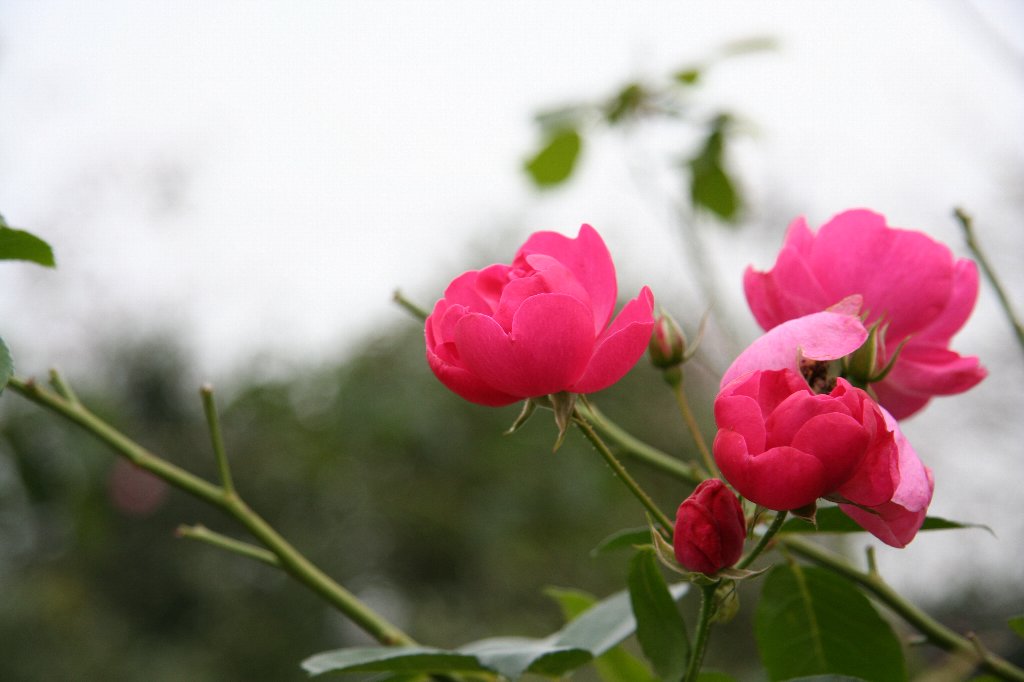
783	443
910	284
538	326
710	529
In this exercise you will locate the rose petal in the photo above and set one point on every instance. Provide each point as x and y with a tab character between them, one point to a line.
621	345
464	384
780	478
548	349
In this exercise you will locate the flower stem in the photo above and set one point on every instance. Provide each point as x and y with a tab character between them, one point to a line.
967	224
204	534
693	427
620	471
763	542
410	307
289	559
636	448
936	633
700	644
216	440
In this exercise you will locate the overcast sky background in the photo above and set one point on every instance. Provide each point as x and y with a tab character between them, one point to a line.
258	177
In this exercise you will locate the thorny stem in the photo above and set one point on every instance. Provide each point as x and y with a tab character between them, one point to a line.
620	471
700	644
763	542
637	449
967	224
693	427
288	558
937	633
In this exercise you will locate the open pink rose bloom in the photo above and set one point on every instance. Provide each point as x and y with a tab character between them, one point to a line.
910	284
784	443
539	326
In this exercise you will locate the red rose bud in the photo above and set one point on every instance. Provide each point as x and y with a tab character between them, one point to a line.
710	529
668	343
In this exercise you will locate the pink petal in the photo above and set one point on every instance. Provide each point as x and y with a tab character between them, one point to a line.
819	336
780	478
464	384
478	290
958	307
934	371
621	345
742	415
588	258
788	290
548	349
837	441
904	276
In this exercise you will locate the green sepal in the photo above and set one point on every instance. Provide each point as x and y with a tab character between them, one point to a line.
529	407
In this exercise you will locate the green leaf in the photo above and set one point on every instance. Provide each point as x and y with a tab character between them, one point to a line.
812	622
827	678
711	188
622	539
594	632
21	245
555	162
714	676
833	520
616	664
626	103
659	627
687	76
1017	625
6	365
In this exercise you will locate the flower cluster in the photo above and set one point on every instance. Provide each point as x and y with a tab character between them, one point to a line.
858	321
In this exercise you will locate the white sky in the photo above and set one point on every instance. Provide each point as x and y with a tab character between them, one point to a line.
259	176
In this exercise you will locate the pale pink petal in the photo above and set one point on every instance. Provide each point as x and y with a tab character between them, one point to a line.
588	258
548	349
788	290
934	371
621	345
820	336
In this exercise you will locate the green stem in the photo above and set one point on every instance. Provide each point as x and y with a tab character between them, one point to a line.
290	559
204	534
693	427
967	224
637	449
936	633
410	307
620	471
216	439
700	644
777	522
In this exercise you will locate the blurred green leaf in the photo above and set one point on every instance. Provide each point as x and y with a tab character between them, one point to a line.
1017	625
714	676
687	76
21	245
711	188
833	520
554	163
812	622
625	103
590	635
6	365
623	539
749	45
659	627
616	664
827	678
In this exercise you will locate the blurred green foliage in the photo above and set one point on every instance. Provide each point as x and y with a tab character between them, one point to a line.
405	493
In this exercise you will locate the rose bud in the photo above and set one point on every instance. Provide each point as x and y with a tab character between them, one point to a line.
540	326
710	529
668	343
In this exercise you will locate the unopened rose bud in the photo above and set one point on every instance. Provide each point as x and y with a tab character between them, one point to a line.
668	343
710	529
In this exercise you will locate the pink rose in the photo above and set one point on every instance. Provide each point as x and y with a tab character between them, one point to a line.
910	284
783	446
710	529
538	326
783	443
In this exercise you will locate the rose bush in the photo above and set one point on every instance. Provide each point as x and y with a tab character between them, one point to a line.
910	284
784	443
709	529
538	326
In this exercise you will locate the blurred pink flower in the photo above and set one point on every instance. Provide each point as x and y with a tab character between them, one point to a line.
909	283
538	326
710	529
